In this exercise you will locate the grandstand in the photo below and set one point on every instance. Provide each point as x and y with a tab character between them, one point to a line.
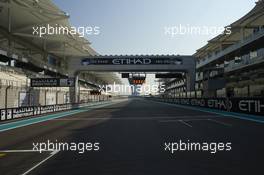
229	65
24	56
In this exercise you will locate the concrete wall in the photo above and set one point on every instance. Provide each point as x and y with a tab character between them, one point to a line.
12	94
24	97
39	96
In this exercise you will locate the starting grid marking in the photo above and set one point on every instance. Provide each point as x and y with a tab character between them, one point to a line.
53	153
185	122
28	171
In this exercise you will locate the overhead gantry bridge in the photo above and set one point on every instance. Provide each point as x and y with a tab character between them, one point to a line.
132	63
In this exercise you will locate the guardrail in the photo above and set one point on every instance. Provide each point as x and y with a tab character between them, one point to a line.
253	106
19	112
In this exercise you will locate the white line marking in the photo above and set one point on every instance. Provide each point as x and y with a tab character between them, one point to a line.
185	123
165	121
187	120
25	151
222	123
181	121
38	164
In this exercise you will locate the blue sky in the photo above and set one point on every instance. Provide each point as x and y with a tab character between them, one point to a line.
137	26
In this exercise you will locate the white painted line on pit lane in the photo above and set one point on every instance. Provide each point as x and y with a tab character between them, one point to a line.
185	123
40	163
180	121
187	120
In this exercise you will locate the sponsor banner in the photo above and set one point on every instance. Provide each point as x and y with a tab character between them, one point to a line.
130	61
248	105
241	105
52	82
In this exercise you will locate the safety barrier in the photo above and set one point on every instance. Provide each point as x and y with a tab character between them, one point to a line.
19	112
253	106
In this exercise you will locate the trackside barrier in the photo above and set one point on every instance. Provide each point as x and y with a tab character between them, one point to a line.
14	113
254	106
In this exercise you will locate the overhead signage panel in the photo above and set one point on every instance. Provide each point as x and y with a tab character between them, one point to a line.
130	61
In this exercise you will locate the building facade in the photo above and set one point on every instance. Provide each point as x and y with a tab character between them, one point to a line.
229	65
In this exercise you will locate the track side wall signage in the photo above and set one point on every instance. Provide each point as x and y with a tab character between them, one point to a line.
253	106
